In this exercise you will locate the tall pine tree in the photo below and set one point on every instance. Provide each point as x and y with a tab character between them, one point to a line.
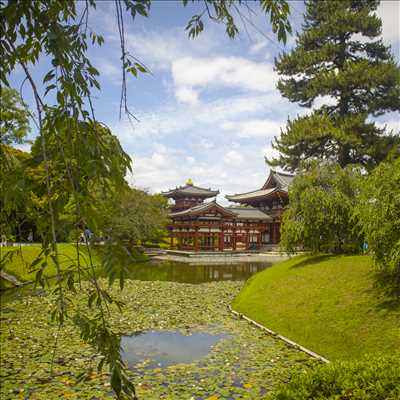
338	54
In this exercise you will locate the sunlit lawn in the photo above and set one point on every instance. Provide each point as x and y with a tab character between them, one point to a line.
328	304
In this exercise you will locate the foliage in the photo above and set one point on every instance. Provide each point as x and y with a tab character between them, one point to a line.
14	122
319	214
329	304
138	216
75	157
222	12
375	378
379	217
15	200
245	364
340	59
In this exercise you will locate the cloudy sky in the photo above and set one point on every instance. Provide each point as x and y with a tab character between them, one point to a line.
209	109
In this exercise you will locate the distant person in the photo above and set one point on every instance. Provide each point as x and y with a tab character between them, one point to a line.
88	234
3	240
30	237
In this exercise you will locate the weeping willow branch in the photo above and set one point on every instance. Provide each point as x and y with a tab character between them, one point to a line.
39	107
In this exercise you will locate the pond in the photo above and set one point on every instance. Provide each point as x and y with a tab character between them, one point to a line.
165	271
171	271
226	358
160	349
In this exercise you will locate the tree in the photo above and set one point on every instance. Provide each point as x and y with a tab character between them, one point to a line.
320	210
14	122
15	201
138	217
338	55
379	217
75	153
14	126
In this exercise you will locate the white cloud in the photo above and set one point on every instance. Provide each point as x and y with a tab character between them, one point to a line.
269	153
187	94
228	170
233	157
390	125
389	12
159	49
254	128
233	72
257	47
111	70
169	119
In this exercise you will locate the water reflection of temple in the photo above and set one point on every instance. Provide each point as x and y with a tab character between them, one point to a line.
208	226
196	273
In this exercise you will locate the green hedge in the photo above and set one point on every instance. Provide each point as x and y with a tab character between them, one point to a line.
376	378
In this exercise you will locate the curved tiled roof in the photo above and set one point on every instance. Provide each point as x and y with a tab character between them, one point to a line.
282	182
190	190
282	179
236	212
251	195
201	208
250	213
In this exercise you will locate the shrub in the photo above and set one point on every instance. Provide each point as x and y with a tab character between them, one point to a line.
379	218
319	214
375	378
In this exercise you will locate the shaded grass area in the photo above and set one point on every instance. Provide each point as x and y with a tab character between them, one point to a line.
20	265
329	304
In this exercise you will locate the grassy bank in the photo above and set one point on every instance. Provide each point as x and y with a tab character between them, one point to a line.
20	264
326	303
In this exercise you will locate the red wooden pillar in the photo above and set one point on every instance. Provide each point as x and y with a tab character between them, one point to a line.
259	240
221	241
278	232
196	241
271	233
233	239
247	240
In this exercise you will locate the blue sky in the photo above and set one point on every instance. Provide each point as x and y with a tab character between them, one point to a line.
209	109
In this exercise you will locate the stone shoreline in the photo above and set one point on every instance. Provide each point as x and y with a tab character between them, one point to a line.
223	258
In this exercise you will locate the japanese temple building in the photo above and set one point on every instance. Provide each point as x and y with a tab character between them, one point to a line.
208	226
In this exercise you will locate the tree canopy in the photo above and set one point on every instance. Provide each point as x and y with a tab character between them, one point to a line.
340	59
14	122
319	216
378	214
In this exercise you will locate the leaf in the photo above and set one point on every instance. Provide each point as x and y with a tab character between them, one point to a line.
48	77
116	380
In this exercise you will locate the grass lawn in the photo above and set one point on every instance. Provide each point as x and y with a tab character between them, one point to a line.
21	268
326	303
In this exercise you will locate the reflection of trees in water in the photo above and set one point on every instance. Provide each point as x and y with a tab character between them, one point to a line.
185	273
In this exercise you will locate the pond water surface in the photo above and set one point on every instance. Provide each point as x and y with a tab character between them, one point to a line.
160	349
172	271
166	271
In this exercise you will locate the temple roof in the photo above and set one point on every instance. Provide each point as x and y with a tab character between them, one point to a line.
251	195
250	213
278	179
199	209
276	182
190	190
235	212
